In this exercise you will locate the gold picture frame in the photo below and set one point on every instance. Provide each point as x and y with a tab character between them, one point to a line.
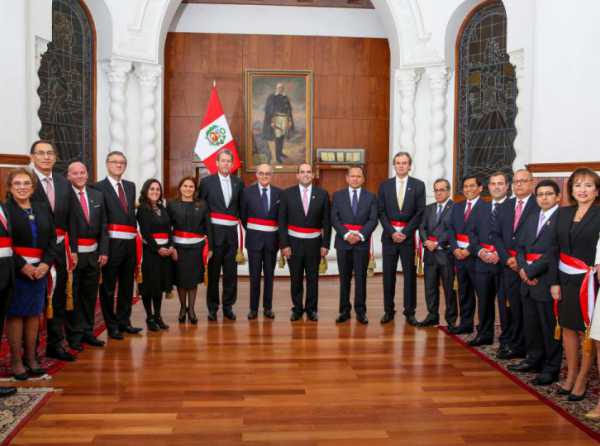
341	156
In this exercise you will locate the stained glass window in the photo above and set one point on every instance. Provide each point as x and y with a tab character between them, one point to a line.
66	85
486	96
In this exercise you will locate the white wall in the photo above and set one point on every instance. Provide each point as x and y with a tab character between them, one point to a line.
304	21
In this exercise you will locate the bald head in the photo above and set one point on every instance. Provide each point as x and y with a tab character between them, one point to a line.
77	174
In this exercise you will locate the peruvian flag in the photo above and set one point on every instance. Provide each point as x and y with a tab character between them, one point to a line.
215	135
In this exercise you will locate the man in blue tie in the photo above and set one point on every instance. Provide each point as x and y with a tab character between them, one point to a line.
354	217
259	212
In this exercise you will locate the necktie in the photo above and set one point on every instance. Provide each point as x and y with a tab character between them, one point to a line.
468	210
122	198
354	202
401	195
494	211
518	212
540	223
3	219
265	200
84	206
50	191
438	213
305	200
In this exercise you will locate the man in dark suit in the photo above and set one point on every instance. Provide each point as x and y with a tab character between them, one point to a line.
304	237
354	217
537	253
462	218
401	202
55	190
438	259
260	214
119	199
88	229
508	225
222	193
7	279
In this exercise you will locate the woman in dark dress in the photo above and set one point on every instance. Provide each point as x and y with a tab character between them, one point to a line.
155	228
191	227
34	243
577	229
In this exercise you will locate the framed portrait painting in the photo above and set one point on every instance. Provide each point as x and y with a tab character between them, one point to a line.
279	117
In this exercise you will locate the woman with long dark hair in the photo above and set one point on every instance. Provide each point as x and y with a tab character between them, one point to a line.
577	229
191	227
155	228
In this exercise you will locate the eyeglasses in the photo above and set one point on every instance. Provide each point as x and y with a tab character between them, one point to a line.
44	154
264	174
120	163
440	190
521	181
545	194
22	184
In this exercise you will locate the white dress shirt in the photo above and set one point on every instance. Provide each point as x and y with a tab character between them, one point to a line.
42	179
226	187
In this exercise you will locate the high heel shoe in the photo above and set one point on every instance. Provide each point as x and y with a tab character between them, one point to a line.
183	311
152	325
562	391
192	316
34	371
573	397
161	324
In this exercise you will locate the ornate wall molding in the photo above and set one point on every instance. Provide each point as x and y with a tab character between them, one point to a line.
522	152
41	46
148	76
406	82
438	84
118	73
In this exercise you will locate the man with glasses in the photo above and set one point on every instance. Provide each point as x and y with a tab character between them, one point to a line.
119	199
506	231
55	190
438	259
259	213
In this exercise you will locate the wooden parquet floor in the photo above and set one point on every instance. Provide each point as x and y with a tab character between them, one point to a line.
303	384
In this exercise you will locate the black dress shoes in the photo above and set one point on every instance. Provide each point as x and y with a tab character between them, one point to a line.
60	354
312	316
508	353
229	314
544	379
76	346
362	318
34	371
115	334
387	318
161	324
460	329
412	320
269	314
295	316
130	329
252	315
573	397
21	376
342	317
524	367
152	325
7	391
429	321
93	341
212	316
478	341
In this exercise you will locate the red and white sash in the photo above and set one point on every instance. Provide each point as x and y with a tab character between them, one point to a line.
30	255
490	248
462	240
122	232
432	238
217	218
261	224
587	295
306	233
512	252
5	247
398	225
86	245
532	257
355	228
187	238
161	238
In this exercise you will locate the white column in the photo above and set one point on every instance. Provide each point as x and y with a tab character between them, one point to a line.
438	84
41	46
118	74
521	150
148	76
406	81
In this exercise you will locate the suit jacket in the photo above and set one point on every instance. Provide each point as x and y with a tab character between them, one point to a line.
545	269
456	224
251	206
211	192
21	231
431	226
7	271
114	212
291	212
504	236
96	228
480	234
411	212
341	214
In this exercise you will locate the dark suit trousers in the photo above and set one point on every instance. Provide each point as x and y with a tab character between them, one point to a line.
301	264
56	325
262	261
512	287
120	268
85	293
486	304
223	258
542	348
406	252
466	294
503	310
435	272
350	260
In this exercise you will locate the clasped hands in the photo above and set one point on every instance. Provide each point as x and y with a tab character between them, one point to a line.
35	272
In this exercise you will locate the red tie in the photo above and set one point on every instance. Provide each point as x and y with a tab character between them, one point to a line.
468	211
3	219
122	198
518	213
84	206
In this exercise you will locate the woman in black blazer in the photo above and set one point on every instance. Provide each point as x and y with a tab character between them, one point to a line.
34	250
155	228
577	230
